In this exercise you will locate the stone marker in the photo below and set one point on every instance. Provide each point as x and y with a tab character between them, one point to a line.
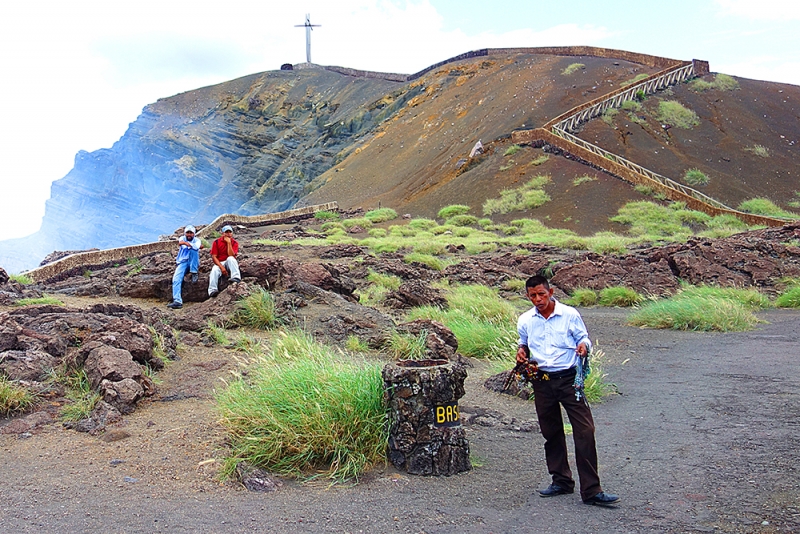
425	432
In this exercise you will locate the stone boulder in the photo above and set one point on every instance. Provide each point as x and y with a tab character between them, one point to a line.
440	342
414	293
26	365
110	364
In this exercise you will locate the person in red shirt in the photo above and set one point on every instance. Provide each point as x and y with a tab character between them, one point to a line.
224	252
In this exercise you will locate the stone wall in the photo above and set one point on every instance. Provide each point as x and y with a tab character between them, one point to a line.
99	258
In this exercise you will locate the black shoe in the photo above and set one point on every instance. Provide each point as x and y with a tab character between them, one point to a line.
235	280
175	305
603	499
213	294
194	278
552	490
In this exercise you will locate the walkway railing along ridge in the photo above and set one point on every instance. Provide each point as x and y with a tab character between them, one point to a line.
98	258
566	123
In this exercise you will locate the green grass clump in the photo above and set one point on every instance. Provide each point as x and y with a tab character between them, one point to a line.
759	150
453	210
513	149
594	386
353	343
571	68
764	206
23	279
723	226
583	179
675	114
514	284
428	260
528	196
650	219
702	308
608	243
632	106
380	215
482	321
538	160
216	333
306	410
256	310
14	398
619	296
422	224
402	346
789	298
135	266
749	297
434	248
82	397
582	296
363	222
326	216
695	177
52	301
608	116
721	82
388	281
462	220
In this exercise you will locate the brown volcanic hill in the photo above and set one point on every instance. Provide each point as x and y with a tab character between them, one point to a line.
411	162
266	142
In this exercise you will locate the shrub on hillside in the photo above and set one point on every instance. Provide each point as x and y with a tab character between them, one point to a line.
675	114
453	210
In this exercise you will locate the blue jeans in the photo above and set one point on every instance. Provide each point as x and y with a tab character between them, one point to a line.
177	280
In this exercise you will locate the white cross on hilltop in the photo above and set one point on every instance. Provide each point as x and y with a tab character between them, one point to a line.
308	26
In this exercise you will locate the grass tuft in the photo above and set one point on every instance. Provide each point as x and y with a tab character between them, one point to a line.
764	206
380	215
23	279
759	150
14	398
695	177
306	410
702	308
257	310
675	114
582	297
572	68
52	301
619	296
453	210
79	391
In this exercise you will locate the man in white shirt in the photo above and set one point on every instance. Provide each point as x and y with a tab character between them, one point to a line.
553	337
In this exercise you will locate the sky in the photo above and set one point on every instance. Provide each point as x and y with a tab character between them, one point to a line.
76	73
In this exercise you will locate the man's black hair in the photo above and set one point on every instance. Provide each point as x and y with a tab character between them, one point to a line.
537	280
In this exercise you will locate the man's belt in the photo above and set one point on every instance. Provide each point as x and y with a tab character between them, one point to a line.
553	375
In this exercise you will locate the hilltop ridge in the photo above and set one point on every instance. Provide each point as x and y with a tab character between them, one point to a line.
265	142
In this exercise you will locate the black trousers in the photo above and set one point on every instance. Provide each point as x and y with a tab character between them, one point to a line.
548	395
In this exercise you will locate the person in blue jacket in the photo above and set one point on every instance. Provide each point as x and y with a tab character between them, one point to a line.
188	259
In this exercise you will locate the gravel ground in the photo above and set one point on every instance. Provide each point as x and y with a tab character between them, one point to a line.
704	437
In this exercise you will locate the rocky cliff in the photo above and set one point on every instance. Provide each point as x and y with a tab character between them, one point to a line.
246	146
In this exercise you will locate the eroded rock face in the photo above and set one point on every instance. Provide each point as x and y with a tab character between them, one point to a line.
111	342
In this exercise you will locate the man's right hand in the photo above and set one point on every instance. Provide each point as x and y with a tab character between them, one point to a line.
522	355
223	271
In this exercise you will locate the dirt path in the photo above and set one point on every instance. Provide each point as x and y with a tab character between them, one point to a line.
704	438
